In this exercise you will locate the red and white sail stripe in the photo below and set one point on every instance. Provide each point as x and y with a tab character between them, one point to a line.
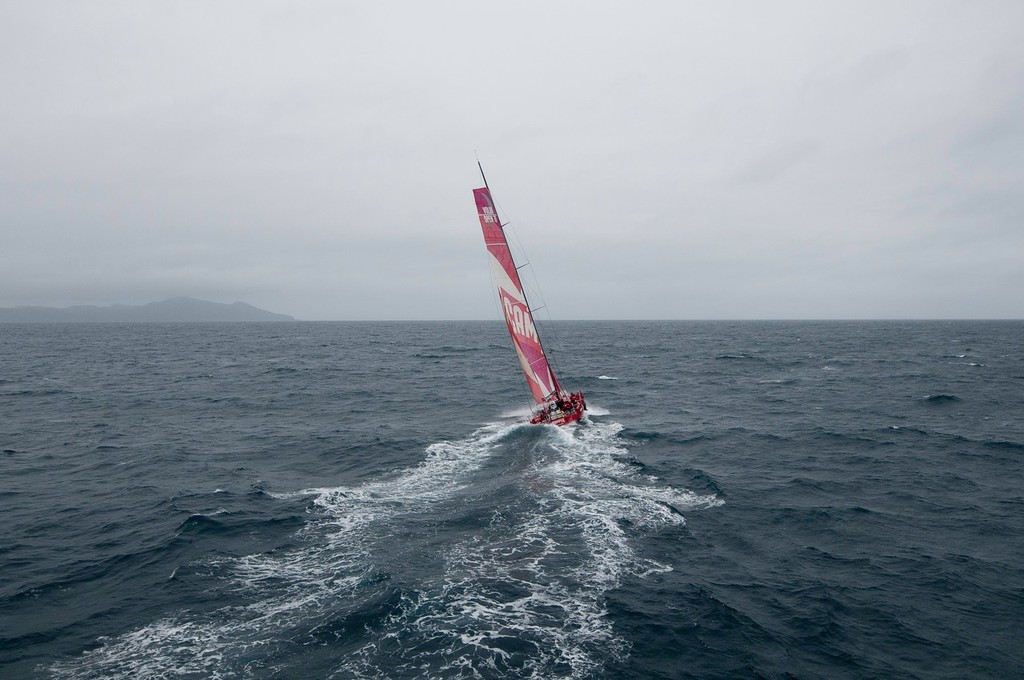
518	317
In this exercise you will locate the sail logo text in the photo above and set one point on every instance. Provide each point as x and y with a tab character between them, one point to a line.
518	321
487	213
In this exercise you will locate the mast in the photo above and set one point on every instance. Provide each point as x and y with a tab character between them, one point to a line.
512	296
483	176
502	227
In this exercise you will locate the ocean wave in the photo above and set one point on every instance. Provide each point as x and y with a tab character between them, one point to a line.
517	412
33	392
941	398
1003	444
520	594
525	597
776	381
283	590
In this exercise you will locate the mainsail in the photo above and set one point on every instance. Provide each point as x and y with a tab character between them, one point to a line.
541	379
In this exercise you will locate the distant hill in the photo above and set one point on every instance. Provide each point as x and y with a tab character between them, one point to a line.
181	309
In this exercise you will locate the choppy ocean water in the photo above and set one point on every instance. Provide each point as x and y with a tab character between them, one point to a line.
355	500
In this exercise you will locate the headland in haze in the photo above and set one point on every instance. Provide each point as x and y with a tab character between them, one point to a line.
179	309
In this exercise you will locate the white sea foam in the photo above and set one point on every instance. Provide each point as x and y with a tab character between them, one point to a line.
606	377
524	597
287	588
519	412
528	594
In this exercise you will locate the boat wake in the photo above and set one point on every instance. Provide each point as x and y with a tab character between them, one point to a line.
491	558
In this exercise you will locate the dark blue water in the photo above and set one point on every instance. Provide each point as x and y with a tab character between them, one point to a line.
353	500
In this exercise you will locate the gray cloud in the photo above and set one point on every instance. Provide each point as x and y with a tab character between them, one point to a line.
663	161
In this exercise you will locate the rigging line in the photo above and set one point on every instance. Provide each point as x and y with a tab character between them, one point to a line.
553	344
534	286
515	236
552	340
494	292
500	335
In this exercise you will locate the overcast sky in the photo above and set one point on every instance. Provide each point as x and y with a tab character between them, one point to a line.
665	159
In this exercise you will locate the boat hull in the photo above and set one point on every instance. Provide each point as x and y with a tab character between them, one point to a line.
567	408
561	419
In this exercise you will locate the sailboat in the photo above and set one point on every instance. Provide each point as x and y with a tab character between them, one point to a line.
554	405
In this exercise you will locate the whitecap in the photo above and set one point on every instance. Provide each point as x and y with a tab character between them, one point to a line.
524	596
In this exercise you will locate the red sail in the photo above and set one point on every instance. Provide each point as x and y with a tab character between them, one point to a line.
518	317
